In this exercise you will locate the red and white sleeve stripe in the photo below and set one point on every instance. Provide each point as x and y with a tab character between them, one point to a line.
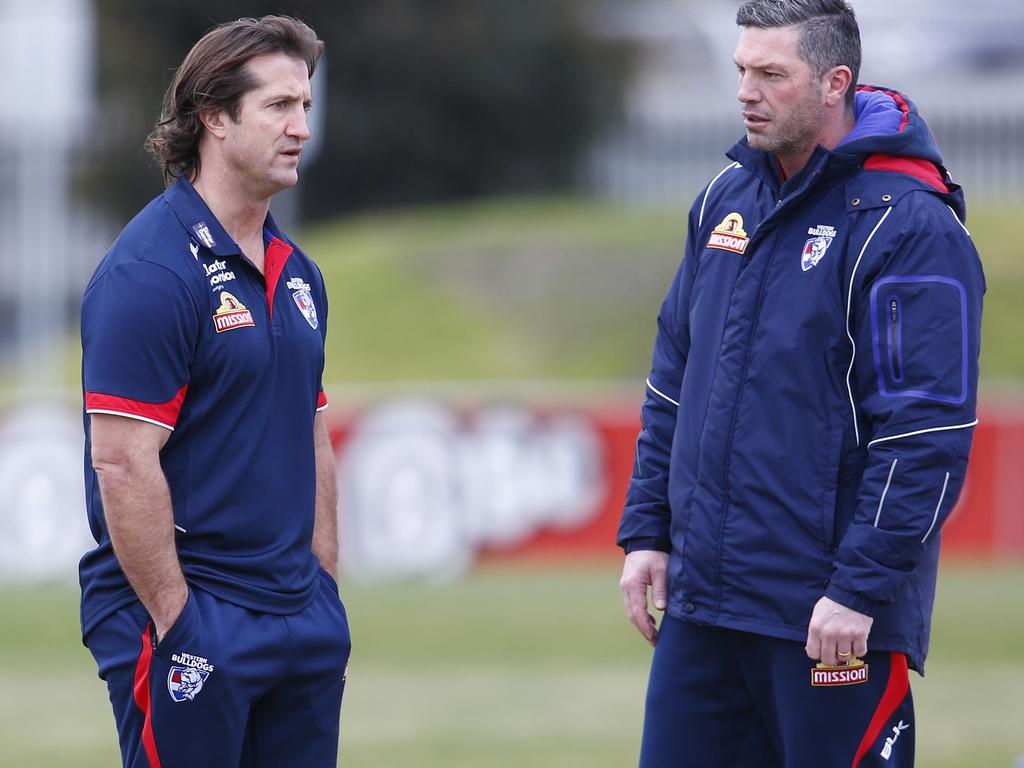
162	414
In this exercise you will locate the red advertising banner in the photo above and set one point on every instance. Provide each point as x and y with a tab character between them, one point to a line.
427	488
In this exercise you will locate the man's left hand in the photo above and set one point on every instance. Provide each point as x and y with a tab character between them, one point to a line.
837	633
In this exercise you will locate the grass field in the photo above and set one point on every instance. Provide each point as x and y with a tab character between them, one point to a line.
552	288
512	667
548	288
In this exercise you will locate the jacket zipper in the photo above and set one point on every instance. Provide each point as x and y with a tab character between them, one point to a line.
895	340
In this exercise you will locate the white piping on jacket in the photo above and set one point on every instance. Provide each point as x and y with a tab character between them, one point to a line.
937	506
849	302
729	167
885	490
958	221
921	432
661	394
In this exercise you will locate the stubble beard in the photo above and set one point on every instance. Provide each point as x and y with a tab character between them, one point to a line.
794	134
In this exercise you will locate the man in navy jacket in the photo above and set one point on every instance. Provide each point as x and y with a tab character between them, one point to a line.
808	418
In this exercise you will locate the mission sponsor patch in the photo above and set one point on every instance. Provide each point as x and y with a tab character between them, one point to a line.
729	235
231	314
854	672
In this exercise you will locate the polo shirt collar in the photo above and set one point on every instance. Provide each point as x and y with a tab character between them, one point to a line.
199	220
273	232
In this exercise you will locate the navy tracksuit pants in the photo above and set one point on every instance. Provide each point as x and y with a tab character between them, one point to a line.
719	698
227	686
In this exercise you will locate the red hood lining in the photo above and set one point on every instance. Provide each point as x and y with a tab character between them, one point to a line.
917	167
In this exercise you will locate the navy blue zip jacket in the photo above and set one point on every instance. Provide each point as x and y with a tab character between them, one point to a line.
811	402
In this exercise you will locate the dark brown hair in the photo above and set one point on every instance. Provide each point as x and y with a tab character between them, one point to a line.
829	35
214	75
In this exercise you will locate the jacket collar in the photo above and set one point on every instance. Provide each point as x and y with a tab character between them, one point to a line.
889	135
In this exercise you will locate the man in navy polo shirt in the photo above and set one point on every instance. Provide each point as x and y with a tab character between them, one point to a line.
210	602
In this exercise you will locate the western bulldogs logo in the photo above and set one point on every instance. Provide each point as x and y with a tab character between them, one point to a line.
304	301
814	249
185	683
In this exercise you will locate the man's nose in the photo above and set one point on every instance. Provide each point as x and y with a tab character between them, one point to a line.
747	93
299	126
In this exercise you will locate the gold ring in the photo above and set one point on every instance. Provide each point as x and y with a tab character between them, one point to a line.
843	655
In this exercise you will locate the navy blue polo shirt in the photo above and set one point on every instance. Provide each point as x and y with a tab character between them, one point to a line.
181	330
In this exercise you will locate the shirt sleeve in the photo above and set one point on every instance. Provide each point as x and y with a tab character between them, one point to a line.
139	332
918	337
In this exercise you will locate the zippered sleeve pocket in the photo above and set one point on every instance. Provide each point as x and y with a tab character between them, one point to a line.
919	335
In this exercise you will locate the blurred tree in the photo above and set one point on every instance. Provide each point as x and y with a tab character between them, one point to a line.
427	100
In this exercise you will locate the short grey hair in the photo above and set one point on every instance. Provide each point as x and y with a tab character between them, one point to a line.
829	35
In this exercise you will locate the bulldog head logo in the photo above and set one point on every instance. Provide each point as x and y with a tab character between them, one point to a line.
185	683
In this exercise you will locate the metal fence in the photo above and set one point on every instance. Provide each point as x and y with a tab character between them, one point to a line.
646	162
53	237
52	240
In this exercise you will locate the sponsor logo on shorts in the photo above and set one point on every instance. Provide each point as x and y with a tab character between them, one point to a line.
185	680
231	314
890	741
853	673
729	235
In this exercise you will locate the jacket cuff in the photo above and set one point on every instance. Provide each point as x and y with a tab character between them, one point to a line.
852	600
646	542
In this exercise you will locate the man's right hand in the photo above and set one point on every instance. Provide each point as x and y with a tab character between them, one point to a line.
642	569
169	611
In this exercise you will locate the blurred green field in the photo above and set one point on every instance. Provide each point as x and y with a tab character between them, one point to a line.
512	667
554	288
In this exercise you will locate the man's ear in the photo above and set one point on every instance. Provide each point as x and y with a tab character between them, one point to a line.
214	120
836	82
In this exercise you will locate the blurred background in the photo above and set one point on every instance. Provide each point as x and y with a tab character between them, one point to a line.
496	192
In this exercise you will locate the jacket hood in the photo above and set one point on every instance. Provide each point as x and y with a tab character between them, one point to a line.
888	123
889	135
